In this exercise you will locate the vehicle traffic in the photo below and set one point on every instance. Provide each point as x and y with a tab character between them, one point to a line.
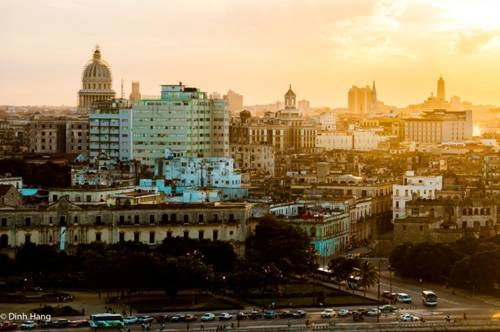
429	298
404	298
106	321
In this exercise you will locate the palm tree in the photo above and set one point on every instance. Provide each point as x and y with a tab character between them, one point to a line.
368	275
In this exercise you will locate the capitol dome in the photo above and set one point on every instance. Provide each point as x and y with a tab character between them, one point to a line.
96	82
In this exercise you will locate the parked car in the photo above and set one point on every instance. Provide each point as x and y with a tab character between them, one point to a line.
269	314
373	312
189	318
162	318
129	320
344	313
388	308
254	314
357	316
225	316
207	317
327	313
406	317
79	323
362	311
144	319
28	325
391	297
299	314
60	323
8	326
284	314
242	315
177	318
404	298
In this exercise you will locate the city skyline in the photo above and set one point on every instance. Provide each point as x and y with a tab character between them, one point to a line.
315	46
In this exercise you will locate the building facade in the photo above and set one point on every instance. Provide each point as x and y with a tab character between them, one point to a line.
184	122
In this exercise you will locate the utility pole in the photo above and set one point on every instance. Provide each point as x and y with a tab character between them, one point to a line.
378	293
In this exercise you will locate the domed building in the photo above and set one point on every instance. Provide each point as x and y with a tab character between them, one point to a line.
96	83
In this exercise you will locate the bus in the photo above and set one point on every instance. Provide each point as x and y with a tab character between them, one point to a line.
429	298
324	274
106	321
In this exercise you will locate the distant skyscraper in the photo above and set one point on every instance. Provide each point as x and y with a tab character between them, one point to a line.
373	105
360	100
440	90
135	95
96	83
234	101
304	105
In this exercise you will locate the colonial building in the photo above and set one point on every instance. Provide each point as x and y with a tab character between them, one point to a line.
65	223
96	83
258	158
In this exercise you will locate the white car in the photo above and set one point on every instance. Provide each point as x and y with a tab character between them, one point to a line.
343	313
404	298
225	316
328	313
373	312
206	317
408	318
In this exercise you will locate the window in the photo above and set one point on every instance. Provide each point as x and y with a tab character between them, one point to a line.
152	219
215	235
169	234
136	220
173	218
151	237
421	228
54	198
164	218
4	222
201	234
27	221
75	238
98	236
89	198
122	220
414	211
397	204
404	227
136	236
186	234
75	219
98	220
186	219
27	238
200	219
122	237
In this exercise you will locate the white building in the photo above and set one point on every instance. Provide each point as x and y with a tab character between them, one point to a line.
16	181
361	140
111	131
328	121
413	187
335	141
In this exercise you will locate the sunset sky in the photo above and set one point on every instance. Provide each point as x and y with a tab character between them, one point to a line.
255	47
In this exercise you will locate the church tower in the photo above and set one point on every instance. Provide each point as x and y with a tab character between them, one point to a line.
290	99
440	89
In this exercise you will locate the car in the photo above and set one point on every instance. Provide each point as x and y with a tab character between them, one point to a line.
78	323
269	314
145	319
406	317
343	312
225	316
207	317
357	316
8	326
404	298
373	312
362	311
241	315
189	318
299	314
129	320
327	313
28	325
388	308
60	323
177	318
162	318
254	314
284	314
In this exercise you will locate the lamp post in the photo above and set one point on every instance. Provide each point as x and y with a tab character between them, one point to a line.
390	278
378	292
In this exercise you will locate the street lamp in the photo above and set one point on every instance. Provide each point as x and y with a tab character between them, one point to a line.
390	278
378	292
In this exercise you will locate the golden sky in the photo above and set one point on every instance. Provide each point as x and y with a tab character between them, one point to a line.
255	47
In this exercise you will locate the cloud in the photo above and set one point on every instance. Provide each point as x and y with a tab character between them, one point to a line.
474	41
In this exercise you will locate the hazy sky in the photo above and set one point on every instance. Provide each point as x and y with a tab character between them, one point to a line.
255	47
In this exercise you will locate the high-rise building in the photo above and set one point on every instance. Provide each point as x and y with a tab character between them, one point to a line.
440	90
361	100
111	130
135	95
96	83
184	122
234	101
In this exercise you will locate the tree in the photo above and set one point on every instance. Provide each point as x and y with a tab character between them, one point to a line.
280	244
342	267
368	275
